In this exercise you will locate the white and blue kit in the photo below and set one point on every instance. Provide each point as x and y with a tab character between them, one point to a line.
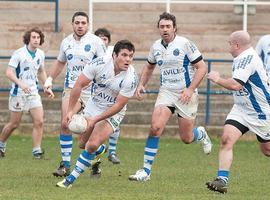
26	65
176	73
78	53
263	49
107	87
251	103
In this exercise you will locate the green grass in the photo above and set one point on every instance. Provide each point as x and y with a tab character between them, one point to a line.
179	172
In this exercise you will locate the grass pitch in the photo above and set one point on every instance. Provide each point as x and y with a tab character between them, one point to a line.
179	172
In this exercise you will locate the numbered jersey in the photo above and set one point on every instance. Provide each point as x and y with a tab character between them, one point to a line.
263	49
254	98
108	85
174	60
78	53
26	68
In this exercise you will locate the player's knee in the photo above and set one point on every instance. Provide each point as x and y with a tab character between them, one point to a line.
38	123
155	130
92	146
64	127
81	145
14	125
226	141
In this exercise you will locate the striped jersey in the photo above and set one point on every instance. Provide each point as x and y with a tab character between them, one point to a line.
26	65
78	53
254	97
263	49
174	60
107	84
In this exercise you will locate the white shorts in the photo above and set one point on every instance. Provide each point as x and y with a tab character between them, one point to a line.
92	110
83	97
24	102
171	99
258	126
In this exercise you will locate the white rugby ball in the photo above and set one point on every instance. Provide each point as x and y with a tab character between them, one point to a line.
77	124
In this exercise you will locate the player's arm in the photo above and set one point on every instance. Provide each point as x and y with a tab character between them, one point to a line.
229	83
121	101
199	74
145	76
11	75
42	76
56	69
198	77
81	82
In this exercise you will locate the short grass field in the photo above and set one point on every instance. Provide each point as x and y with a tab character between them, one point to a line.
179	172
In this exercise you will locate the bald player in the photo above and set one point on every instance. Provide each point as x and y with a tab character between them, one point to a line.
251	110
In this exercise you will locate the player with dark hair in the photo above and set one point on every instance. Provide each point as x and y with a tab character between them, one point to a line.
76	50
105	35
181	71
115	82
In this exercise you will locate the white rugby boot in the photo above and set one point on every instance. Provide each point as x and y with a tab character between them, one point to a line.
140	175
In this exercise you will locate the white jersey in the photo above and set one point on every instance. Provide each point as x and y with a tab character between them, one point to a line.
26	68
78	53
263	49
176	73
109	50
254	98
108	85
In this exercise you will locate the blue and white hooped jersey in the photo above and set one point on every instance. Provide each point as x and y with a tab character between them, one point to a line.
26	69
263	49
78	53
254	98
108	85
176	73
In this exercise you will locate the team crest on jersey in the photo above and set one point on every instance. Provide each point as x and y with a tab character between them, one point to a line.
157	54
87	47
176	52
70	56
160	62
38	61
103	77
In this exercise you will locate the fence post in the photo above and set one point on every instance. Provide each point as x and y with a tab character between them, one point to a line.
56	16
208	93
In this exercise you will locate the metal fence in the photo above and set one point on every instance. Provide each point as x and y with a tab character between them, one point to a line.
208	92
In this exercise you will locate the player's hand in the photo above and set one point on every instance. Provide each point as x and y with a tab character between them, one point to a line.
213	76
49	93
48	83
67	119
26	89
186	95
91	122
138	93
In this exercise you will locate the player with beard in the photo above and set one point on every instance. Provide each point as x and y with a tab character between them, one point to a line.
181	71
76	50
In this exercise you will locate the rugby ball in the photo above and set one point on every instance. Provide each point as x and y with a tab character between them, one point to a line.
77	124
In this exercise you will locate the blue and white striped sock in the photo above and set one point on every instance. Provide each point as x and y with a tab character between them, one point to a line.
198	135
83	162
150	152
3	146
223	175
100	149
66	148
113	139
